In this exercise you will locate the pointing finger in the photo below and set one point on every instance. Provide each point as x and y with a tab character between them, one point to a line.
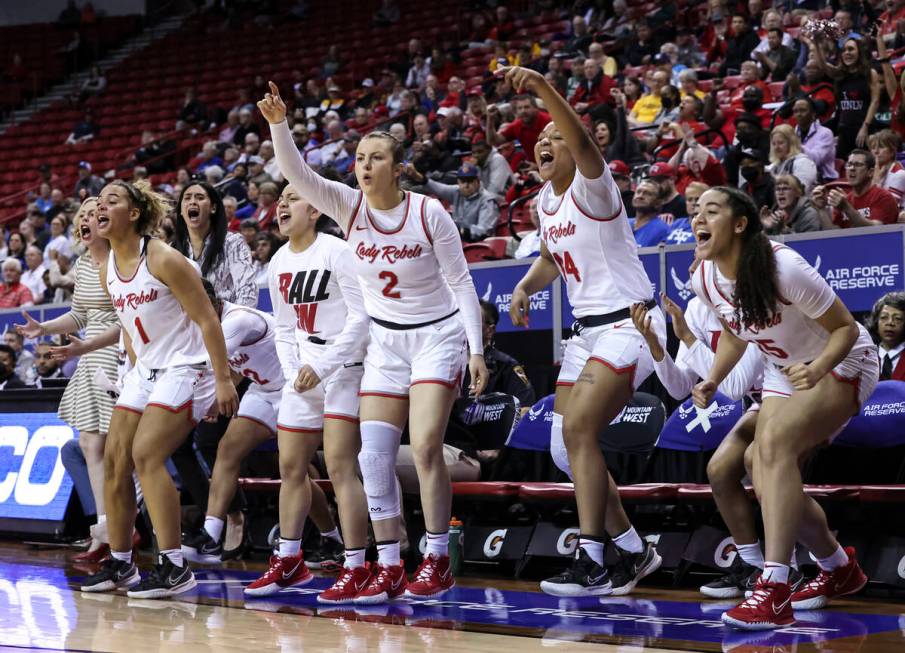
274	88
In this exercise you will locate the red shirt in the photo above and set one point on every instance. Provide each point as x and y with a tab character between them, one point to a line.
735	98
16	295
525	133
876	204
713	174
598	94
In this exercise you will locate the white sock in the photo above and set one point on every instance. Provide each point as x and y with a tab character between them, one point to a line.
333	535
751	554
123	556
437	544
793	563
775	572
388	553
214	527
354	558
833	562
629	541
173	555
593	548
290	548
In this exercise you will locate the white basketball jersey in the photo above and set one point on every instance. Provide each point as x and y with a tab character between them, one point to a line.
793	334
257	359
401	277
162	334
587	232
703	323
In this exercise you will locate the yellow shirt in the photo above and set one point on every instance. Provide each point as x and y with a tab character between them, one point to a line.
697	93
646	108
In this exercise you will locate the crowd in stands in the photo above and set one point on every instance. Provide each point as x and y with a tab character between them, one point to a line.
798	104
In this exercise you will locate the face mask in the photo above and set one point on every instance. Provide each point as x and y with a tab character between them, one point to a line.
667	102
750	173
716	15
751	104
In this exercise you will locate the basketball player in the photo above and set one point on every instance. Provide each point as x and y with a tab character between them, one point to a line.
180	369
587	239
423	307
819	367
321	332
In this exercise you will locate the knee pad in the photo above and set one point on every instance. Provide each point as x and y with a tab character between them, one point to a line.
377	460
558	446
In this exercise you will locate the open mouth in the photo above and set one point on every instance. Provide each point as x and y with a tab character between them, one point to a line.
702	236
85	232
102	221
283	217
545	157
193	213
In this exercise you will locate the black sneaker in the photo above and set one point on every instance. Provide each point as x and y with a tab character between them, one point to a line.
328	556
201	548
113	575
584	578
165	579
741	578
796	580
632	567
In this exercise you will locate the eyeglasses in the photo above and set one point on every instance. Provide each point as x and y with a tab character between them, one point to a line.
855	164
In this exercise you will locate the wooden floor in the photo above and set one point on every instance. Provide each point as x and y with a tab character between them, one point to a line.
41	610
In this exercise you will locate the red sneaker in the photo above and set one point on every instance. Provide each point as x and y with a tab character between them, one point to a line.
769	607
828	585
284	572
349	585
432	579
387	583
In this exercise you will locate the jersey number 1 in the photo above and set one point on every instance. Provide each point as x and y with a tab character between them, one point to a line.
567	265
141	331
392	281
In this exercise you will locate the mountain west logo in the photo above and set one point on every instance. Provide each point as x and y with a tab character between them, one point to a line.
683	287
302	291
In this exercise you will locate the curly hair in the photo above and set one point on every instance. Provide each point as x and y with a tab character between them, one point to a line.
894	300
756	286
152	206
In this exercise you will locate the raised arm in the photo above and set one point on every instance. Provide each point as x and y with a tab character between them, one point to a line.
331	198
583	148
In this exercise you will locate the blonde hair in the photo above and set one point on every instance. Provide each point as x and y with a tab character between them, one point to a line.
788	133
83	210
152	206
696	185
792	180
885	138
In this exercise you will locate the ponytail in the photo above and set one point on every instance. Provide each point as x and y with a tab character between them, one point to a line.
756	286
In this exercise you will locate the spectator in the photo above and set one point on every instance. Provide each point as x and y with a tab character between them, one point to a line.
739	46
256	172
817	141
649	229
581	37
266	245
594	89
209	156
778	60
455	94
388	14
90	183
680	229
889	173
193	112
887	327
252	197
640	50
669	105
84	130
33	276
689	52
494	171
60	244
8	378
251	147
306	145
613	136
95	85
25	360
234	184
46	366
857	90
663	175
748	135
647	107
16	247
865	205
61	276
786	157
526	127
757	181
750	80
474	210
271	168
43	200
228	132
331	63
344	159
608	64
246	126
153	152
773	20
267	205
249	230
38	223
417	75
688	84
793	212
230	204
622	175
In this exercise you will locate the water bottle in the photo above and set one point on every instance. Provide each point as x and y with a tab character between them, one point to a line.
455	546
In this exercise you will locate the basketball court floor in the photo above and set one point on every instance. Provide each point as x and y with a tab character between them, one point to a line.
41	609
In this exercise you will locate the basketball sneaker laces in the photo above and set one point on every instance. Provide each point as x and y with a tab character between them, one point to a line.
425	571
761	594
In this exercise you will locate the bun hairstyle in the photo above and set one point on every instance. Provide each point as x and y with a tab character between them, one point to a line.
152	206
756	285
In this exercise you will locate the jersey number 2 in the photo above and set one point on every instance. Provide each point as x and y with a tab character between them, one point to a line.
141	331
567	265
392	281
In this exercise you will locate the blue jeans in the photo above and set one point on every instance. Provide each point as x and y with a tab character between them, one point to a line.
74	462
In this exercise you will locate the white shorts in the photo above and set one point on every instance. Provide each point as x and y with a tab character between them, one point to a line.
337	398
619	346
398	359
861	369
173	389
261	406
